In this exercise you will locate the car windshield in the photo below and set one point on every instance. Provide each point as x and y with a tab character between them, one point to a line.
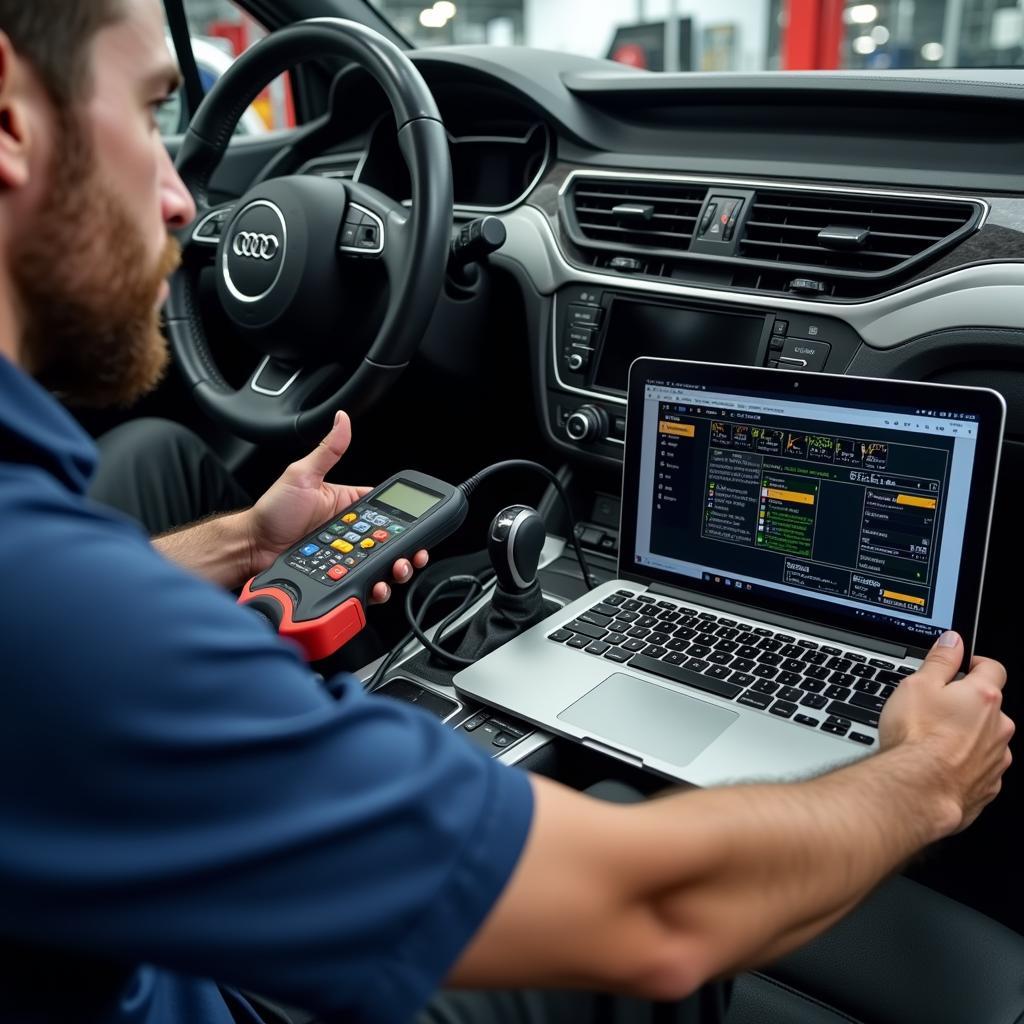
732	35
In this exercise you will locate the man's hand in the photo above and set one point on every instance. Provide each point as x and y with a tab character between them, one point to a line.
301	499
959	725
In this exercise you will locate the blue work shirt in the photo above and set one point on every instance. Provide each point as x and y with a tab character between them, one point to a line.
180	800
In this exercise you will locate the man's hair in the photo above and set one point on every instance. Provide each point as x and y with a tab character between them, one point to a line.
55	37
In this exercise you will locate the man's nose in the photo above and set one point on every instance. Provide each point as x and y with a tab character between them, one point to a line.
177	205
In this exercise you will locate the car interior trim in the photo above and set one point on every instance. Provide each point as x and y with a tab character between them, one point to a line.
982	295
270	393
535	181
616	399
197	236
355	157
380	227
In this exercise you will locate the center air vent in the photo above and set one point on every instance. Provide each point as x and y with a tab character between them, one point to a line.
863	236
832	243
644	215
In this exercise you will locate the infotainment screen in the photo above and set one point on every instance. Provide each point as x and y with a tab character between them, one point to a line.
670	332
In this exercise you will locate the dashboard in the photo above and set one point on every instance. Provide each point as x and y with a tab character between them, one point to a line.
846	222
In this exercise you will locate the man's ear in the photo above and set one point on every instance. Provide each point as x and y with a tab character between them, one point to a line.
14	121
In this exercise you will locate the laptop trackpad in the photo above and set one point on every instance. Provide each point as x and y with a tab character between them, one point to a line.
653	720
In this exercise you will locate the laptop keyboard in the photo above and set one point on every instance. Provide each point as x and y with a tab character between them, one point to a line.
815	685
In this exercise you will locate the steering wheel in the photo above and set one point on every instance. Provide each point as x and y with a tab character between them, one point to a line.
332	282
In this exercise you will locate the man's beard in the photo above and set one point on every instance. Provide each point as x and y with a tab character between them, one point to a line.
88	291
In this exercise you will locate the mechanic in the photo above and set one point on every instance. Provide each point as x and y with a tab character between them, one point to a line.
181	800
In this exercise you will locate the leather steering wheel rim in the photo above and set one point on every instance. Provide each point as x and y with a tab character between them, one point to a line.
426	233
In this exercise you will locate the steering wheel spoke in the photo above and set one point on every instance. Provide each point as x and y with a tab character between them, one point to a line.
201	238
271	403
375	227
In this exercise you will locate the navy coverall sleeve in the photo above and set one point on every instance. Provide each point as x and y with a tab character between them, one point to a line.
176	788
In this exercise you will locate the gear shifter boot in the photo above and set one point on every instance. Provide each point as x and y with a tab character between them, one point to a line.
506	616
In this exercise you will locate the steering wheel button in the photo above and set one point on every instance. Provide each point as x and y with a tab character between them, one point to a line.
343	546
348	234
366	543
309	549
337	571
350	518
367	237
380	536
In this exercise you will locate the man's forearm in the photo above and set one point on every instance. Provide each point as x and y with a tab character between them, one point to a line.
658	898
775	865
218	549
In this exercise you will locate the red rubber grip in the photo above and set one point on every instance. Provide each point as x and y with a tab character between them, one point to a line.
317	637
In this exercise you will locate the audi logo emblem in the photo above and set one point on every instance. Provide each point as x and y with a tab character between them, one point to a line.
254	246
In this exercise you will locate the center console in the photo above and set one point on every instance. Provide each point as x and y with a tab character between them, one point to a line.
596	333
417	679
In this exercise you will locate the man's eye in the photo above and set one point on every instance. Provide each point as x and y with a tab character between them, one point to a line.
157	107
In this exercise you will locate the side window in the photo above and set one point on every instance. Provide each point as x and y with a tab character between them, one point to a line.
221	32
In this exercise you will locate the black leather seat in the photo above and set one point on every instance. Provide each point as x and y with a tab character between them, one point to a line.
907	955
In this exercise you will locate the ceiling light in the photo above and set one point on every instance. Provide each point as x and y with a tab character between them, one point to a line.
864	45
862	14
933	51
429	18
880	34
446	9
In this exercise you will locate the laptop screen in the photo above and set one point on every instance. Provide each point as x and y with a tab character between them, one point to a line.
850	510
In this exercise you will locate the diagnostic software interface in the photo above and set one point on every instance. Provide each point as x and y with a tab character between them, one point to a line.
849	505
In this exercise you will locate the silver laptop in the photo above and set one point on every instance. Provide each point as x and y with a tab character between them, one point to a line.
790	546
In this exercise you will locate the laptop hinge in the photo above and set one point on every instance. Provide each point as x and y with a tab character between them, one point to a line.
745	611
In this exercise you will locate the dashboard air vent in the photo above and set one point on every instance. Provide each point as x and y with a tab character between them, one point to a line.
863	235
648	215
341	165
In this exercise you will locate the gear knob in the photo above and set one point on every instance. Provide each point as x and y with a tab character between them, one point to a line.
514	543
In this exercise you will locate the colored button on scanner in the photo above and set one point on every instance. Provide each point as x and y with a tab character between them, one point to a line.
343	546
367	543
350	518
309	549
361	527
380	536
337	571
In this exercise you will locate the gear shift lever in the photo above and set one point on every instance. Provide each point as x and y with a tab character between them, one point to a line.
514	542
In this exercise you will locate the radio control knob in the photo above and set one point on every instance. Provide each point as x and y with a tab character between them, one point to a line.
588	423
575	361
